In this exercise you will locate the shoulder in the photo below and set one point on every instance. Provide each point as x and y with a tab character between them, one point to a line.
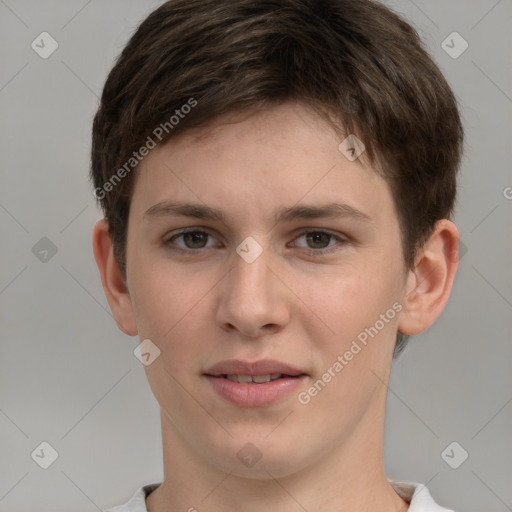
418	497
137	503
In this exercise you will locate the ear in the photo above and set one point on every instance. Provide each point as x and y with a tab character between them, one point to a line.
429	284
116	291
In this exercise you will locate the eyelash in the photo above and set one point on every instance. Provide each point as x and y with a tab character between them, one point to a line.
316	252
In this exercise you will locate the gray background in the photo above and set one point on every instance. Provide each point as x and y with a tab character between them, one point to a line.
69	377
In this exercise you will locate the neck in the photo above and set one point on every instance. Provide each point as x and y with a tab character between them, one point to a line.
346	478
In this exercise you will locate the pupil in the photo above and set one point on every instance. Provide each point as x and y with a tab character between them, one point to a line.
195	239
316	238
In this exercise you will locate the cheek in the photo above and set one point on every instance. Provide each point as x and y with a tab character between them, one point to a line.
344	300
363	314
160	293
171	314
171	308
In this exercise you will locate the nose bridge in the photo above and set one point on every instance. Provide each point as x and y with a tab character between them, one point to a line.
250	275
251	300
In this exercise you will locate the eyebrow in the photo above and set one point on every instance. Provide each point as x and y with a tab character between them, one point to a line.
200	211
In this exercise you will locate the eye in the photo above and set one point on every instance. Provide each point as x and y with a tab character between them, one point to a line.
319	242
191	240
316	241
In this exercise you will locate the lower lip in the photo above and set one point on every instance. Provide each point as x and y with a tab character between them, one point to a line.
255	395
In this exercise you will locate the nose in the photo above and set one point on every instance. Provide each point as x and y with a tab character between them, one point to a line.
252	298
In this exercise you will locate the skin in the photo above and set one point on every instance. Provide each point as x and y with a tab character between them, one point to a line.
293	304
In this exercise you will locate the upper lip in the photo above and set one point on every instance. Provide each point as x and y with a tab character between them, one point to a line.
262	367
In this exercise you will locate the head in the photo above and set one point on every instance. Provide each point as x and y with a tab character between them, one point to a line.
241	108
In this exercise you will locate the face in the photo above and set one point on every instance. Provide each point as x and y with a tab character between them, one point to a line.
257	250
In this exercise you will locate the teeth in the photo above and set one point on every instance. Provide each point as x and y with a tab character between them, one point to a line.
258	379
261	378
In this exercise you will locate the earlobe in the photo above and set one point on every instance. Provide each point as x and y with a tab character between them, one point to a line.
114	284
430	282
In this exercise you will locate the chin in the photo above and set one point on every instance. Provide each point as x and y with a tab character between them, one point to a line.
259	458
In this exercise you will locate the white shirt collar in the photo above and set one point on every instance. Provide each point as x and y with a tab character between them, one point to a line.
417	495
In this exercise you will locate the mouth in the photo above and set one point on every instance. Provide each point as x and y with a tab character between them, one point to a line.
257	379
254	384
263	368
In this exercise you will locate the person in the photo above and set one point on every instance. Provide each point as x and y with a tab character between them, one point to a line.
277	180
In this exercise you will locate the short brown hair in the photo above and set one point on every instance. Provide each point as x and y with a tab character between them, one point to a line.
352	60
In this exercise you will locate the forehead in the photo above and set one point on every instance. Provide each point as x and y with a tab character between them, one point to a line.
247	163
